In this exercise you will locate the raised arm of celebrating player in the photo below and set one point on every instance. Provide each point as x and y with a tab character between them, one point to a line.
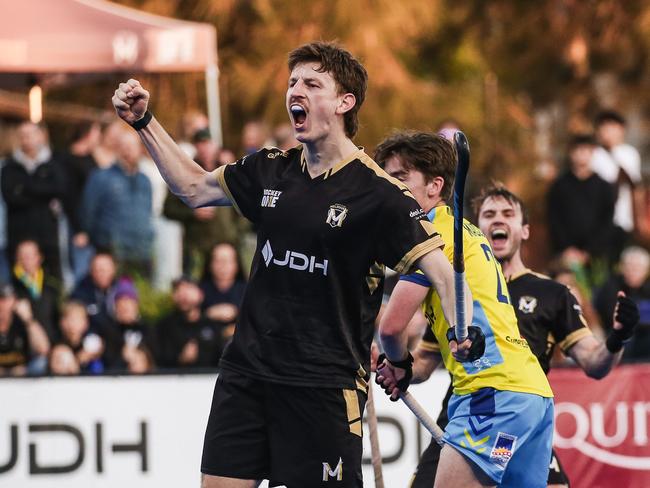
186	179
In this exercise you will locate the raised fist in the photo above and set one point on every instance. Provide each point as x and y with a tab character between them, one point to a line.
130	101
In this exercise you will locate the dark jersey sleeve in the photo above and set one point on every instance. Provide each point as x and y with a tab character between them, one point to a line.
405	233
570	325
241	182
429	341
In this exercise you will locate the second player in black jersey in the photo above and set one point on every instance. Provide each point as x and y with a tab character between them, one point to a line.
548	315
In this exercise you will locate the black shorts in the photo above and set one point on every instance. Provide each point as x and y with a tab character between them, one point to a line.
425	473
294	436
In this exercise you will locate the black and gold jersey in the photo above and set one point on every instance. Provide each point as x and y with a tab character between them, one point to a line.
316	281
548	315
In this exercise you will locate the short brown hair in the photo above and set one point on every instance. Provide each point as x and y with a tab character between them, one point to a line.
498	190
348	73
430	154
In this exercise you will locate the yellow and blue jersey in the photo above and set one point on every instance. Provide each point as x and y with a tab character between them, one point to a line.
508	363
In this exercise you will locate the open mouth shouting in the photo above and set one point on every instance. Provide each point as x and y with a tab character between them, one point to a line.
299	116
498	238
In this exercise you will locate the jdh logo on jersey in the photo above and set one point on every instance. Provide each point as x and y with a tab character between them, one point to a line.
293	259
527	304
336	473
270	198
336	215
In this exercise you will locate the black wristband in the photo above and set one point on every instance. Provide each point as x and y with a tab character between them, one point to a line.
405	363
143	122
614	342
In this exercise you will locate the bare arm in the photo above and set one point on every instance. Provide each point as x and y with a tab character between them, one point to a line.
186	179
393	328
593	357
439	272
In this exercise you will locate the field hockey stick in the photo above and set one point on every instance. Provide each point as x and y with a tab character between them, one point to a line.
462	149
424	418
375	453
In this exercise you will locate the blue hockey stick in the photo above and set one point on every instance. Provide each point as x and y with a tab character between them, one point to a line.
462	150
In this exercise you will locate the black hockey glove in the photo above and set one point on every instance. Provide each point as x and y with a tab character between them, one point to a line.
474	334
627	314
405	364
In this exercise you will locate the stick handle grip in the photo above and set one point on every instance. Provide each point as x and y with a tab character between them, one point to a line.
424	418
461	322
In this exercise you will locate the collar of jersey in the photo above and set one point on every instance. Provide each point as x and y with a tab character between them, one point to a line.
337	167
523	272
431	215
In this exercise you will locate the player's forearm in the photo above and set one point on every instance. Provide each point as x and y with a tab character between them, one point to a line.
594	358
394	344
393	327
185	178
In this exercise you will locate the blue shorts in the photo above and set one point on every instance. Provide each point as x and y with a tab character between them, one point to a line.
508	435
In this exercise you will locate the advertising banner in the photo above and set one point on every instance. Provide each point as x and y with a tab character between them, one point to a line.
147	431
601	431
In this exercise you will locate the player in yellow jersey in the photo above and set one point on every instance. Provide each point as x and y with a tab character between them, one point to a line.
501	413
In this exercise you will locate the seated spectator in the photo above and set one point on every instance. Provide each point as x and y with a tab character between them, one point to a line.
125	330
63	361
32	282
87	346
186	337
633	280
139	360
96	288
223	286
23	342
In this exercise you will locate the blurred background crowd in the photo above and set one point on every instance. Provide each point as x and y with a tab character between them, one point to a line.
102	270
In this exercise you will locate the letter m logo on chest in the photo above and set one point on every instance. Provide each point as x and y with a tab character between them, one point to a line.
336	215
336	473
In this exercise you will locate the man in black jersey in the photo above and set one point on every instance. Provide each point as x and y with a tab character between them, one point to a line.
288	403
548	314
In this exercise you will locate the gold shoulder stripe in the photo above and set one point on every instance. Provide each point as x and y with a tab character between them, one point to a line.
338	166
518	275
370	163
429	346
574	337
540	275
406	263
219	175
429	228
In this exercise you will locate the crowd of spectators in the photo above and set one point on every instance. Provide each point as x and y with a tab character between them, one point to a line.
81	227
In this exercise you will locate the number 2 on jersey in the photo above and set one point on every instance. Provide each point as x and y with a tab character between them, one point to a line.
490	257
